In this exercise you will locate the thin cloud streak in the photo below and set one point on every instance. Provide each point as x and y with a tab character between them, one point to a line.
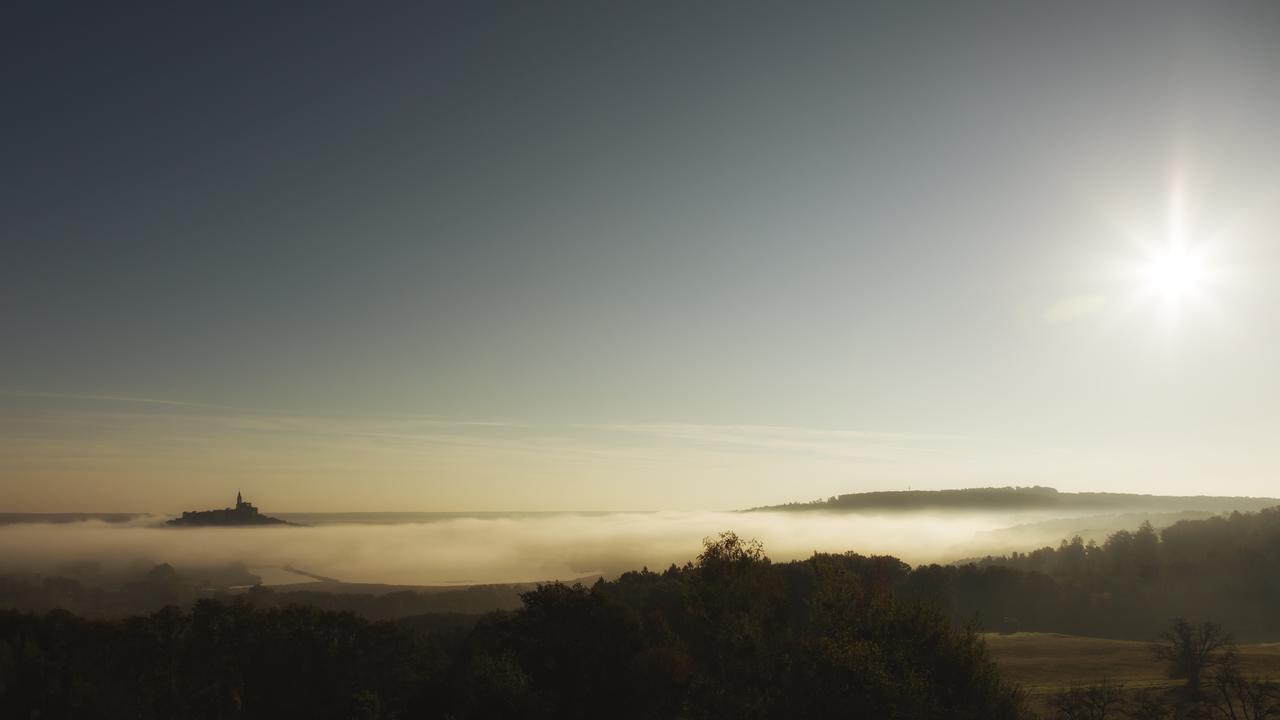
851	444
580	438
602	440
179	455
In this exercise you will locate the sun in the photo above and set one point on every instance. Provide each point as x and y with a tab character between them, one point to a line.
1185	274
1174	274
1178	276
1178	271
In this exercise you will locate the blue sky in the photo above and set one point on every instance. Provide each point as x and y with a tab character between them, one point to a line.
437	257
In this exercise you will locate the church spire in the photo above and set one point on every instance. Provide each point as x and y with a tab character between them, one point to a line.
239	500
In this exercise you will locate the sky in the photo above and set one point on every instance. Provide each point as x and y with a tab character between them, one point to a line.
623	256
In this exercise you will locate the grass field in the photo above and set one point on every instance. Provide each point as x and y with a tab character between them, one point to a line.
1046	663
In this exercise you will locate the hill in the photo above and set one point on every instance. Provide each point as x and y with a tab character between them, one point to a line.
1034	498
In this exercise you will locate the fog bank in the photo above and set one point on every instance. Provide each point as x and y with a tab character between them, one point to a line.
468	550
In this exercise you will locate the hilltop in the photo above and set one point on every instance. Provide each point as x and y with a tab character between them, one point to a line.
244	513
1021	498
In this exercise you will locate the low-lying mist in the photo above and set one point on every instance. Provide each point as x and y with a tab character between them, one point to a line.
464	550
471	550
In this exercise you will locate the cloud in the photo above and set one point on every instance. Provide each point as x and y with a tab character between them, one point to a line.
128	435
1074	308
850	444
101	398
100	455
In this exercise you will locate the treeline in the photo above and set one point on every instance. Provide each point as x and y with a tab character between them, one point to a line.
730	635
126	592
1126	587
475	599
163	585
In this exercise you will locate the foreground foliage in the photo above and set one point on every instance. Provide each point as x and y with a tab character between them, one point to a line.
732	635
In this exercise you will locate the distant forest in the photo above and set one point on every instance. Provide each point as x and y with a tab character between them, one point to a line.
1021	498
1126	587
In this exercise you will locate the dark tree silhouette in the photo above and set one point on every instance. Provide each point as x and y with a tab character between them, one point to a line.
729	635
1147	705
1234	696
1193	650
1102	701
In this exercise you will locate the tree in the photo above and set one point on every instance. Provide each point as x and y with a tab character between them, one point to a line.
1093	702
1147	705
1192	650
1237	697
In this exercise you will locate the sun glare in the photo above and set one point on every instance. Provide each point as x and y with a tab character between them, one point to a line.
1175	274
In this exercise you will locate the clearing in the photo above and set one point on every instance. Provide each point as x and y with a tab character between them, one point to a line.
1047	663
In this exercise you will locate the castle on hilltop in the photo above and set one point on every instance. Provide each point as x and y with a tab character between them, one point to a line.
244	513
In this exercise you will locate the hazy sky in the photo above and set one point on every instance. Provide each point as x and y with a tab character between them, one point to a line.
641	255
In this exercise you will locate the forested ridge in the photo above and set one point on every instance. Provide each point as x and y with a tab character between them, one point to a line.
1127	587
994	499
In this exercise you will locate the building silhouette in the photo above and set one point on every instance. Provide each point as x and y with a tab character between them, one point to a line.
244	513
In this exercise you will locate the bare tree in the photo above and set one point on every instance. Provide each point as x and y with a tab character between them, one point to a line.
1089	702
1192	650
1147	704
1233	696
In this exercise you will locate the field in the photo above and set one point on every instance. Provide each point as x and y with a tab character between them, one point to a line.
1046	663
